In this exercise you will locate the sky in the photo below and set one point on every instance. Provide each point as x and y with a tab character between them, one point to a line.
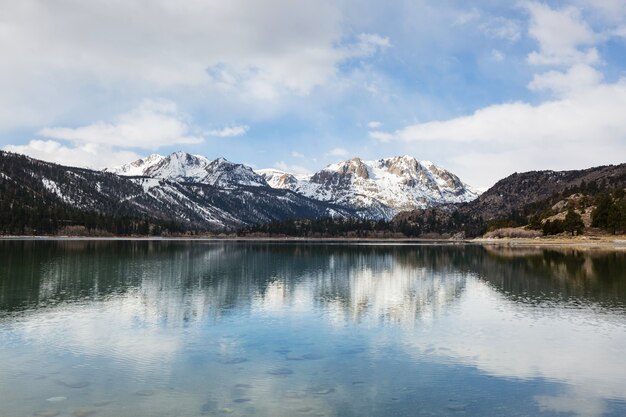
482	88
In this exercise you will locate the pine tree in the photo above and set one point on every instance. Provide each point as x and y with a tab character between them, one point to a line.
573	223
614	218
600	215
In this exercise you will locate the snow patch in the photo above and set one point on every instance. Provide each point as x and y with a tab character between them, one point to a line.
183	167
390	185
53	187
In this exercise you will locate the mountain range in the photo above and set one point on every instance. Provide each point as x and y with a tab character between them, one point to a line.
182	193
50	195
218	195
372	189
182	167
381	188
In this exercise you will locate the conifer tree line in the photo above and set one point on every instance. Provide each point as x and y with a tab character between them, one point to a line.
609	215
25	209
610	212
21	215
38	198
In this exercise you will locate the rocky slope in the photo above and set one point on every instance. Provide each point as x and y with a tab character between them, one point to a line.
518	199
198	194
378	189
184	167
520	190
371	189
225	202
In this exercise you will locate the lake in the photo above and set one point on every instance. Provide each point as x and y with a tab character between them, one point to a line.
209	328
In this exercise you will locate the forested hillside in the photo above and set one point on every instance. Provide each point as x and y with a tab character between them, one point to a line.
43	198
548	202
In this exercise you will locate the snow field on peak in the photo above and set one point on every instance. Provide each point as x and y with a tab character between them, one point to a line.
377	189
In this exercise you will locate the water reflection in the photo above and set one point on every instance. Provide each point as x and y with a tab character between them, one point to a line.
185	281
283	329
362	279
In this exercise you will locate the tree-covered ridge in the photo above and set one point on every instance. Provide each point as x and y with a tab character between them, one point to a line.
27	207
42	198
555	215
604	208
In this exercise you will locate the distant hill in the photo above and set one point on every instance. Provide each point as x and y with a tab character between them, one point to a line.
518	192
520	199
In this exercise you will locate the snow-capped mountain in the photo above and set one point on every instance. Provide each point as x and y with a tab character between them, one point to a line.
370	189
380	188
201	194
276	178
184	167
132	197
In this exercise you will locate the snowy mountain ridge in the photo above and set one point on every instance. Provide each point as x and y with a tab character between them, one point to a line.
131	199
377	189
382	187
183	167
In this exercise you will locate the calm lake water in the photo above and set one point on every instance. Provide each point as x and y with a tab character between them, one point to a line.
175	328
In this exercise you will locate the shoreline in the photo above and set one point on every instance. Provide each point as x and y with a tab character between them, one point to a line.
617	242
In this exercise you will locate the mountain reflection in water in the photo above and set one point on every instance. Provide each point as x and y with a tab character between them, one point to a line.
463	328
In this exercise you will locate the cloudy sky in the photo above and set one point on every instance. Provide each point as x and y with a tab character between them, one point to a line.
483	88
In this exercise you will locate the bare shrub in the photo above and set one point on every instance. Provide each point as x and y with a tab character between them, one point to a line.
510	232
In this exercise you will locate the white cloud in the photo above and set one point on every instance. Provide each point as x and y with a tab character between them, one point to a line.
585	128
465	17
59	54
292	169
229	131
560	34
594	113
178	55
501	28
381	136
340	152
620	32
581	125
153	124
297	76
297	154
577	78
87	155
268	82
374	124
149	126
609	11
497	56
495	27
370	43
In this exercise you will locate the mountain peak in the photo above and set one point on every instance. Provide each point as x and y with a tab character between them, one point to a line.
186	157
381	188
153	157
376	189
181	166
354	166
276	178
